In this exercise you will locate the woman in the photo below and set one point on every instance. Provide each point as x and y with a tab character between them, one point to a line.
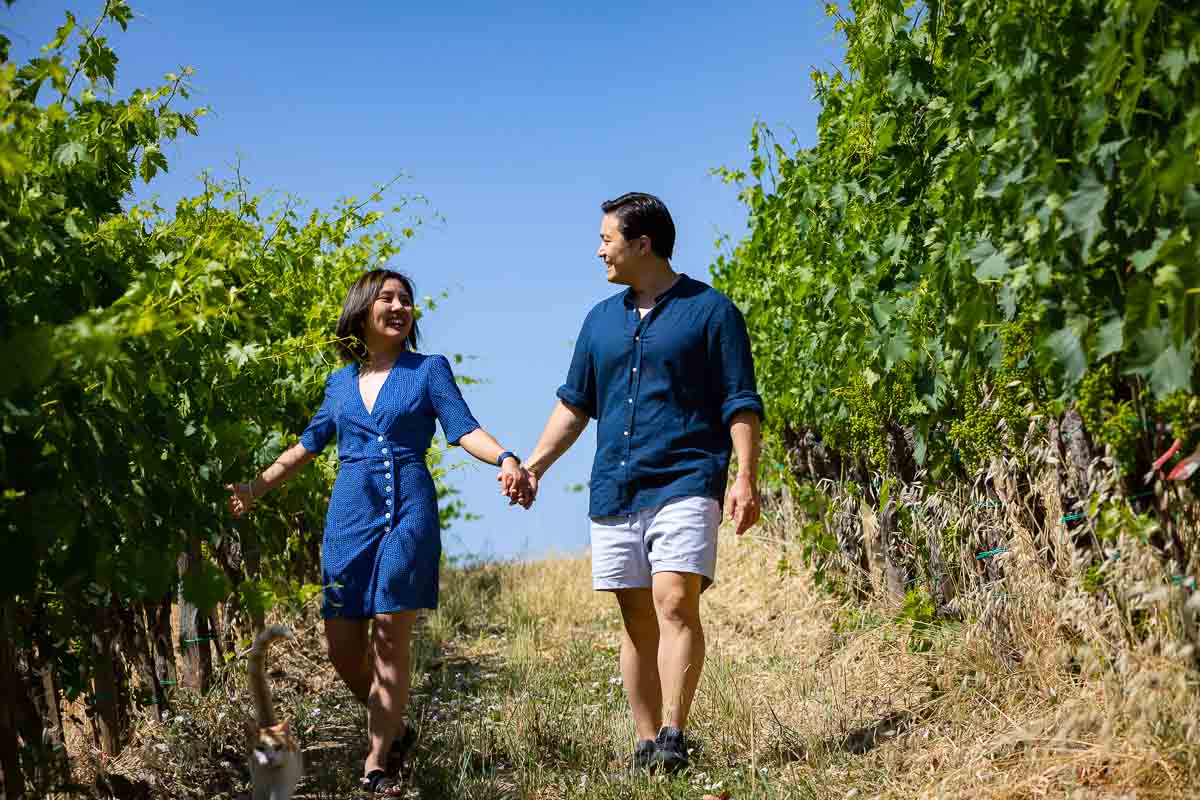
382	546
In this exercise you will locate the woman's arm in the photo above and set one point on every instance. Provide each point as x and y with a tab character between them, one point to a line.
513	483
243	496
483	446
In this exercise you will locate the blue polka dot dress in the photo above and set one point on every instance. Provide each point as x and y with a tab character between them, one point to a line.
382	541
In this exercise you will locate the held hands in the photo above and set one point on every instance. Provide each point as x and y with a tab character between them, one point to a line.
518	484
241	498
742	503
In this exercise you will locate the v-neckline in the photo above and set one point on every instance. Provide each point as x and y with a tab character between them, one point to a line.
362	401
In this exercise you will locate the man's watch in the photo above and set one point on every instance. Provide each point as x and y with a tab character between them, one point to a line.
504	455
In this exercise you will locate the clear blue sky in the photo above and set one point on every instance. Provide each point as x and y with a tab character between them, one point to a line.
515	120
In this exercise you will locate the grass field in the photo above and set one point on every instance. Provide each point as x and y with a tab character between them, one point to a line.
517	695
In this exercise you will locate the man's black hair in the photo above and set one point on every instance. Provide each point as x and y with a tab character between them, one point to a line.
640	214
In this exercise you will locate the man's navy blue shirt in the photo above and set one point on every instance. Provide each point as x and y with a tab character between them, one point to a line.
663	389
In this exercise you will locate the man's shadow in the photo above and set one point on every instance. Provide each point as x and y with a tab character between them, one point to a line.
790	746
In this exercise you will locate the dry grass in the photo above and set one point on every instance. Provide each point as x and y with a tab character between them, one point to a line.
1042	691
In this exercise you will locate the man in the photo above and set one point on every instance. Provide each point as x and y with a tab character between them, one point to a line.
665	369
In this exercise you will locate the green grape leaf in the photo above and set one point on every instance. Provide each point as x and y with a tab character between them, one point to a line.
1109	338
1172	371
1082	211
897	349
205	587
1173	62
70	153
1067	346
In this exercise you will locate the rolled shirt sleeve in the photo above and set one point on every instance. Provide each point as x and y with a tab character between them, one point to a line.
732	364
448	403
580	389
323	425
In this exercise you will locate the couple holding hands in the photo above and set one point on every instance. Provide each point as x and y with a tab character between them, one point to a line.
665	369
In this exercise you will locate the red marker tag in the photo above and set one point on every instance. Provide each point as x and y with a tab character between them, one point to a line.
1165	457
1186	468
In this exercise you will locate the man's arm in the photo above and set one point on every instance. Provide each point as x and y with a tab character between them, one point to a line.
562	429
741	498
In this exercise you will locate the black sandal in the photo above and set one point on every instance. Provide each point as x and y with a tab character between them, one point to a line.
401	747
378	783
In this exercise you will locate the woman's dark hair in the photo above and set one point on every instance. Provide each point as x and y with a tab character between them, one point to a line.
641	214
351	344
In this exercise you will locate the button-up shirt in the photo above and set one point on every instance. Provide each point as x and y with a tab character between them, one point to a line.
663	389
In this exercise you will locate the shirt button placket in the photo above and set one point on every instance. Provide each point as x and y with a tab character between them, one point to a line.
634	379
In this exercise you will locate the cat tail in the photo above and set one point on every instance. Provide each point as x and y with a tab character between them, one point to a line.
256	673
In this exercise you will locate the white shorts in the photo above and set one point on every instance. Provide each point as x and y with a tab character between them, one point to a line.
678	536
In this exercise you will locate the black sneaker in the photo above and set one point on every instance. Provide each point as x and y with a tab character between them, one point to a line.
670	750
643	756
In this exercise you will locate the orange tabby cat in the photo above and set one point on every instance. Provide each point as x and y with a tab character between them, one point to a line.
274	754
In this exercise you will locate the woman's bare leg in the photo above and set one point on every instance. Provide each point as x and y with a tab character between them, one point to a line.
350	652
388	701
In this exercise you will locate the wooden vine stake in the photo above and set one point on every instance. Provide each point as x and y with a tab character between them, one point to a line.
195	632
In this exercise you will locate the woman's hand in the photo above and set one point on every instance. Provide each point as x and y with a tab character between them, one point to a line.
511	478
241	498
517	484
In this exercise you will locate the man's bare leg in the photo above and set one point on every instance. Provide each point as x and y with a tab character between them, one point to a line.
681	642
639	660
